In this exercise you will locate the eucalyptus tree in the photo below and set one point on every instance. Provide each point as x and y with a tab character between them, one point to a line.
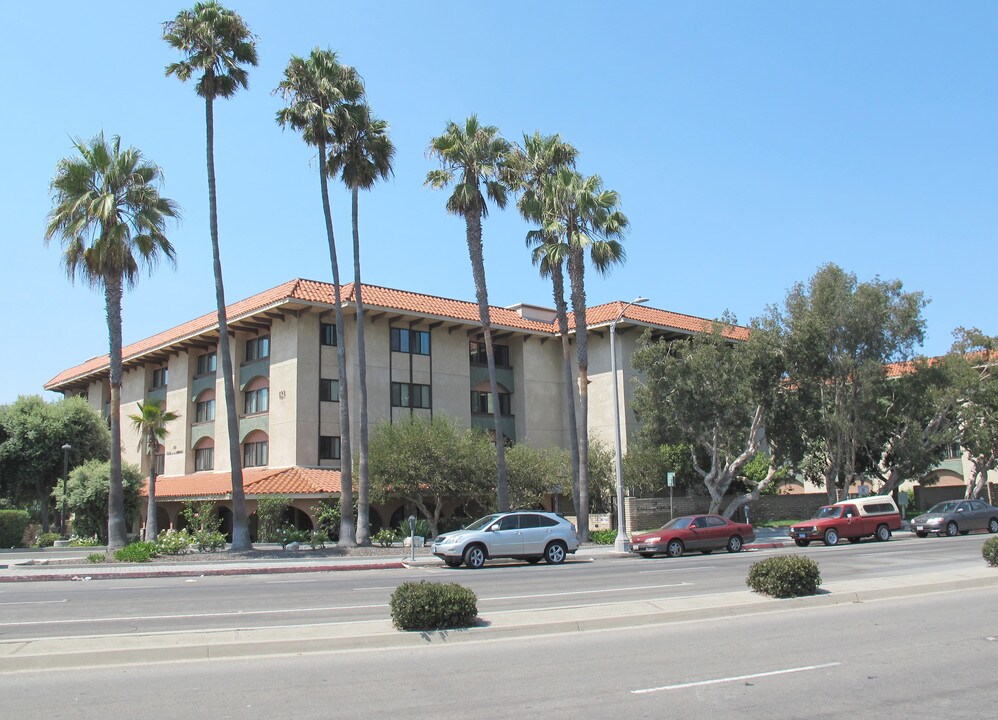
110	219
318	92
217	45
588	218
361	154
472	157
150	422
974	354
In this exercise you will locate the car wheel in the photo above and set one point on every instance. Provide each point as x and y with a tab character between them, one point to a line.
921	534
802	543
474	556
993	525
734	544
831	536
554	553
854	540
534	560
883	533
952	529
647	555
453	562
674	548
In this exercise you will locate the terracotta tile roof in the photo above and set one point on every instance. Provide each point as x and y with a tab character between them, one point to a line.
256	481
606	314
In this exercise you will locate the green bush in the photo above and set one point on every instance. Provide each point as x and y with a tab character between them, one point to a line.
318	539
136	552
384	537
97	557
13	524
269	512
77	541
288	534
209	540
990	551
174	542
784	576
47	539
602	537
422	528
433	606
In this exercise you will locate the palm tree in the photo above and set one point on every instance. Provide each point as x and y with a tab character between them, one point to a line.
472	156
319	91
579	210
150	422
540	158
362	154
110	218
217	43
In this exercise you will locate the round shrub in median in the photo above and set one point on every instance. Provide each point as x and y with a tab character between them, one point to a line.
433	606
990	551
784	576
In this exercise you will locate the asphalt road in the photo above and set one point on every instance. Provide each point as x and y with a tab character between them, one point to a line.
923	656
35	610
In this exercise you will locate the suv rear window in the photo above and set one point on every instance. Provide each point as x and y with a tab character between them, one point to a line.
529	521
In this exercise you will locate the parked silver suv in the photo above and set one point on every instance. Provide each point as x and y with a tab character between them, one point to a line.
528	535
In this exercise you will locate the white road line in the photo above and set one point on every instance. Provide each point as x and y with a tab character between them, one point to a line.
676	569
584	592
35	602
736	678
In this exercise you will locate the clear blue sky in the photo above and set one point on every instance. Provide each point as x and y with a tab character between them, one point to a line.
750	143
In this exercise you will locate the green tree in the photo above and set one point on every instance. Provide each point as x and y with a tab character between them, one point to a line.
318	91
473	157
362	154
534	472
31	455
110	218
87	492
429	462
150	422
217	44
973	354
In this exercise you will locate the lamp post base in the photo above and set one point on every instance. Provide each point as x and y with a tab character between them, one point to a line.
621	544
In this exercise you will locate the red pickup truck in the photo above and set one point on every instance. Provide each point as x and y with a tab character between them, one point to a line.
872	516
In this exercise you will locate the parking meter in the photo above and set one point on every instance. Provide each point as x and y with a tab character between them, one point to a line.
412	537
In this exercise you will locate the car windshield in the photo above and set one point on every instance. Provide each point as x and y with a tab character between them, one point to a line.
482	522
944	507
680	523
829	511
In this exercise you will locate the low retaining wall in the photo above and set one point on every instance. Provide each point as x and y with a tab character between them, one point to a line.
647	513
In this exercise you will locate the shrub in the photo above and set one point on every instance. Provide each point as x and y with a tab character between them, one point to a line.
288	534
47	539
174	542
602	537
784	576
86	496
13	524
990	551
97	557
209	540
384	537
422	528
269	512
433	606
136	552
77	541
318	539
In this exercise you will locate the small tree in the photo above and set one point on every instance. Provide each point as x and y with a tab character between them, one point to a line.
86	496
150	422
533	473
269	514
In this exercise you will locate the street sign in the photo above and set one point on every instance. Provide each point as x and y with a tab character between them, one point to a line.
671	477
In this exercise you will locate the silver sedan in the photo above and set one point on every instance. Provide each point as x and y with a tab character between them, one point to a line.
956	517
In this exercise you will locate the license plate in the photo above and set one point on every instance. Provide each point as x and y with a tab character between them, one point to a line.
801	535
919	527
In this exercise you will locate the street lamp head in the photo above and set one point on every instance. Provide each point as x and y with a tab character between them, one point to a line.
67	447
639	301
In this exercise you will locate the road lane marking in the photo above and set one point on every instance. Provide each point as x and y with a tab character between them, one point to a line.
584	592
677	569
735	678
35	602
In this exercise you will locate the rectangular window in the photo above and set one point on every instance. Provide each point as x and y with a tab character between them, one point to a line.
416	342
159	463
159	377
257	401
205	411
329	390
207	363
327	333
204	459
411	395
479	356
255	454
329	447
481	403
258	348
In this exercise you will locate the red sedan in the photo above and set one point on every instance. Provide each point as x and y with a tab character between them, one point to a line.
705	533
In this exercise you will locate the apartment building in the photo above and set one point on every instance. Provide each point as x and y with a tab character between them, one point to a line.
424	356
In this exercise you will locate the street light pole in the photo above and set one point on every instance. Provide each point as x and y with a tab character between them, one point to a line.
620	544
63	527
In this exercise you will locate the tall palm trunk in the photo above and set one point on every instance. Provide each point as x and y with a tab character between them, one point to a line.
576	271
363	482
473	221
116	530
240	526
151	530
558	282
347	529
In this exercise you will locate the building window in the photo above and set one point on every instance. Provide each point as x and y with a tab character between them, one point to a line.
205	411
481	403
257	401
410	395
159	462
327	333
329	447
159	378
953	452
416	342
329	390
207	363
255	454
204	459
479	356
258	348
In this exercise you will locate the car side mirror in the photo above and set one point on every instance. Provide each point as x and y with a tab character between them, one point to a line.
493	528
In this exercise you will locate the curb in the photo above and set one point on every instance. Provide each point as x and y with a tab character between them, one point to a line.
207	571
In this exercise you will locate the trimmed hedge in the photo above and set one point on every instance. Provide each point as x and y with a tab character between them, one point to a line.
136	552
13	524
990	551
433	606
784	576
